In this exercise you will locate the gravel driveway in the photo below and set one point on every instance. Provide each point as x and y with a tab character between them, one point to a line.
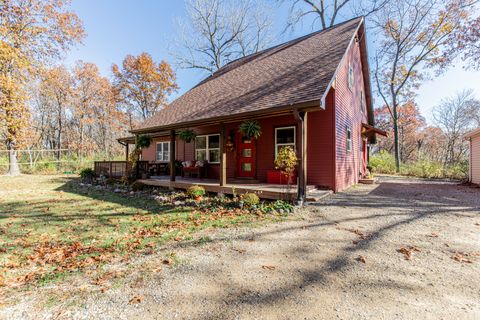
339	259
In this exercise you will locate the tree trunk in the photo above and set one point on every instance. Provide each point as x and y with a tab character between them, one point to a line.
14	169
396	143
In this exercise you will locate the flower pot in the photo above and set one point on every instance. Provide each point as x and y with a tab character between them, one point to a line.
198	198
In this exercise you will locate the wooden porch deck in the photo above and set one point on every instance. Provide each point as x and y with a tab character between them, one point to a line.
263	190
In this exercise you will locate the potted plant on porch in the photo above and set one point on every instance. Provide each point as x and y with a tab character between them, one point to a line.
286	162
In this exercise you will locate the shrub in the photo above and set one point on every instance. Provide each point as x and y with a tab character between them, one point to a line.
382	162
278	206
87	174
196	191
286	160
137	186
250	199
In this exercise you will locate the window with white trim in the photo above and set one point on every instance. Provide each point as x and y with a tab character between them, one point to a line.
350	75
207	148
362	101
163	151
284	137
349	140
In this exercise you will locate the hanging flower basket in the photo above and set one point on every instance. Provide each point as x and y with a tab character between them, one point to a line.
250	129
187	135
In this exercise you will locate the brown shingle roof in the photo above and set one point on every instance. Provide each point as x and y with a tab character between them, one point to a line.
295	72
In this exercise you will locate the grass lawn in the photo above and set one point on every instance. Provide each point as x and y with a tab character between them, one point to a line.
51	227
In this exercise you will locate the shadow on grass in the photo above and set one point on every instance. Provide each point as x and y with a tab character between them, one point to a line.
75	202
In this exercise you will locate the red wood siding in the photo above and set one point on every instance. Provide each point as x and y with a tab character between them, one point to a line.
320	145
348	113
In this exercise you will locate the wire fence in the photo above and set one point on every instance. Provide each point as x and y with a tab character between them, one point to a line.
50	161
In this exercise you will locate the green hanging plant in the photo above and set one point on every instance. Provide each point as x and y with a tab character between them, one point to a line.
143	142
250	129
187	135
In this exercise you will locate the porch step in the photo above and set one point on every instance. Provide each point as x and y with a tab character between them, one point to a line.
315	195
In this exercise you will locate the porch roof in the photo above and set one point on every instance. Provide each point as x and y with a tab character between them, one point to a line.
296	74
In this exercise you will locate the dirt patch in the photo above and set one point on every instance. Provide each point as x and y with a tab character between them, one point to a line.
344	257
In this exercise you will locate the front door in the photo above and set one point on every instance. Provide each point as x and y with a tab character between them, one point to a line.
245	157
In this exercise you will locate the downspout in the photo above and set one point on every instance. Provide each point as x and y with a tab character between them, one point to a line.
301	118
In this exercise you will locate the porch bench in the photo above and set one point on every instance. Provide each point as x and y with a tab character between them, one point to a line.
195	171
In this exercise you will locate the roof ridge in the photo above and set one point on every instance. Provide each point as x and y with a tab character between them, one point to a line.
274	49
295	40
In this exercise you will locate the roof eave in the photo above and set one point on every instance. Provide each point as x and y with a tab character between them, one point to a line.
337	69
274	111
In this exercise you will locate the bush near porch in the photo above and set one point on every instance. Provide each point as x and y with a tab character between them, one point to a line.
384	162
55	226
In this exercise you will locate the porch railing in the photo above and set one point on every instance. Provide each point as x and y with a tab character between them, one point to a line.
118	169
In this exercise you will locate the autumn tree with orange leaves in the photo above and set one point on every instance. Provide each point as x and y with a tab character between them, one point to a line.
410	126
143	85
415	39
32	33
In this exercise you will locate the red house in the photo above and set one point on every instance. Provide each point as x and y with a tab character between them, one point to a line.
312	93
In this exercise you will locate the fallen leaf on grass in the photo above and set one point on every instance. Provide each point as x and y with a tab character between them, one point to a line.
167	261
157	269
461	257
251	240
362	259
433	235
407	252
268	267
239	250
136	299
477	224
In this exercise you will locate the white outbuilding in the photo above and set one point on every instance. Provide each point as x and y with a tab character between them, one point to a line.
473	138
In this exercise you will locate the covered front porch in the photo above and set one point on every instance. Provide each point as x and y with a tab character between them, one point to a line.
223	160
238	186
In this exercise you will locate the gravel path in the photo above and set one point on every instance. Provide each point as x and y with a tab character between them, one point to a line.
312	268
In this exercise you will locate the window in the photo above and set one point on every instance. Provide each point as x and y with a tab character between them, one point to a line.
362	101
349	140
208	148
163	151
284	137
350	75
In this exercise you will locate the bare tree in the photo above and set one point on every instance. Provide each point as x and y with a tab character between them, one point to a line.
454	116
414	37
217	32
327	13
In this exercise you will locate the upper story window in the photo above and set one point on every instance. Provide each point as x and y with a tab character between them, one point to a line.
350	75
362	101
284	137
207	148
163	151
349	140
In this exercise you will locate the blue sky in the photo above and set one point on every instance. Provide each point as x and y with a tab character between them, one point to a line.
116	28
